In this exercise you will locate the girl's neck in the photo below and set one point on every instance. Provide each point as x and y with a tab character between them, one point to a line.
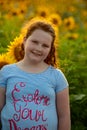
32	67
32	64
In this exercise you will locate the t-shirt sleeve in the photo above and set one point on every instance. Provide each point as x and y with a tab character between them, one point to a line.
61	81
3	77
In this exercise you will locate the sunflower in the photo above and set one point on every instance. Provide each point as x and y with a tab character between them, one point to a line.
18	8
43	11
55	19
72	36
69	23
15	49
5	60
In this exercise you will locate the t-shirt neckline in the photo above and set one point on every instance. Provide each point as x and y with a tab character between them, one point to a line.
38	73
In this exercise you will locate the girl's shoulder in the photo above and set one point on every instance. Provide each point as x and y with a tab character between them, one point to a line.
60	79
57	73
56	70
8	67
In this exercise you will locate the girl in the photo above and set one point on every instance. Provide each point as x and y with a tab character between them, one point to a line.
33	93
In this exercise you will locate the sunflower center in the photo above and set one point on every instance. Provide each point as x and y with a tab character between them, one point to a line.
43	14
55	21
68	23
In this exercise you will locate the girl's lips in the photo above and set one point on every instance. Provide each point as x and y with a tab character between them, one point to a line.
37	53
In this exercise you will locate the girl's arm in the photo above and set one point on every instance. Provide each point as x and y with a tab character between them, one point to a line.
2	98
63	110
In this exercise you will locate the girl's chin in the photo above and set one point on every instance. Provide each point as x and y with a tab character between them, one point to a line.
35	61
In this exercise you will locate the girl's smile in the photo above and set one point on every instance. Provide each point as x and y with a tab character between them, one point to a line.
36	53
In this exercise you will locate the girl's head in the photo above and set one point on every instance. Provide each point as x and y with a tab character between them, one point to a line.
51	58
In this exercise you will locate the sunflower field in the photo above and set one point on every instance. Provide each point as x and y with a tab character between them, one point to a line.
69	19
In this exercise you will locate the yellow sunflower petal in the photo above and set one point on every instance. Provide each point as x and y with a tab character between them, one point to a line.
5	59
15	50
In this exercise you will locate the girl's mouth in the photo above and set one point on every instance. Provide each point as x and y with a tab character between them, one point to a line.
37	53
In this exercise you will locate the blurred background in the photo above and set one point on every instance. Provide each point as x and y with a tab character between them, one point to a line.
69	19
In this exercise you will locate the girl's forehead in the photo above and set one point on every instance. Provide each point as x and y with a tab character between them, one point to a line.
38	33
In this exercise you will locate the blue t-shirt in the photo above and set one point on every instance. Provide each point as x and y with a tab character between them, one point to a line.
30	98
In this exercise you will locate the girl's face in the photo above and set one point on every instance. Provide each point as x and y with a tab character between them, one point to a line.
37	46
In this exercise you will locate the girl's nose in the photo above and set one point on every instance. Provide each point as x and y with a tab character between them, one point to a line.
39	47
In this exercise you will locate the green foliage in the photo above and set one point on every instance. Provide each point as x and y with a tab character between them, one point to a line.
79	112
9	29
73	59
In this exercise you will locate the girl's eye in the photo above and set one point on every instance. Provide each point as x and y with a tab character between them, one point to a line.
36	42
45	46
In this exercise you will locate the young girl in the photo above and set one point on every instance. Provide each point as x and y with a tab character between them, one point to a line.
33	93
